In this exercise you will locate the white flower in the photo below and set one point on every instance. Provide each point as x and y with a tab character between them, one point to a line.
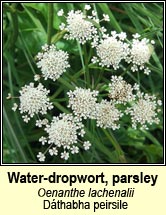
87	7
63	131
95	59
152	42
65	155
9	96
136	87
45	121
52	62
159	102
114	34
82	132
53	151
41	157
106	18
122	36
144	111
140	54
62	26
40	123
86	145
147	71
136	36
15	106
34	100
103	29
79	28
96	20
60	12
94	13
43	140
107	115
120	91
36	77
83	102
111	51
26	118
74	150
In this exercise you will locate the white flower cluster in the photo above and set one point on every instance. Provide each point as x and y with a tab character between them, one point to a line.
82	27
34	100
140	53
107	115
120	91
111	51
63	132
78	27
52	62
144	111
66	131
83	103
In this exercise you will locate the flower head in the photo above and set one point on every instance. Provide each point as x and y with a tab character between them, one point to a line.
34	100
41	157
144	111
87	7
106	17
86	145
74	150
53	151
52	62
78	27
83	102
107	115
120	91
43	140
15	106
111	51
140	53
65	155
60	12
63	131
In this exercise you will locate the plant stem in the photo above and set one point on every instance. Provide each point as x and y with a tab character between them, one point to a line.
82	61
116	145
86	65
14	18
50	22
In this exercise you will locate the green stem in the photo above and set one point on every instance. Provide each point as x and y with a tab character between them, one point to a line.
50	22
138	77
14	136
82	61
99	77
14	19
66	83
116	145
86	65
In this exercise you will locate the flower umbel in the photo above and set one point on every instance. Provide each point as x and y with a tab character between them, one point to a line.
110	51
52	62
34	100
79	28
107	115
83	102
63	132
120	91
140	53
41	157
144	111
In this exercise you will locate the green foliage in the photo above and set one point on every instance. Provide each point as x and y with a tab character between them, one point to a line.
25	30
